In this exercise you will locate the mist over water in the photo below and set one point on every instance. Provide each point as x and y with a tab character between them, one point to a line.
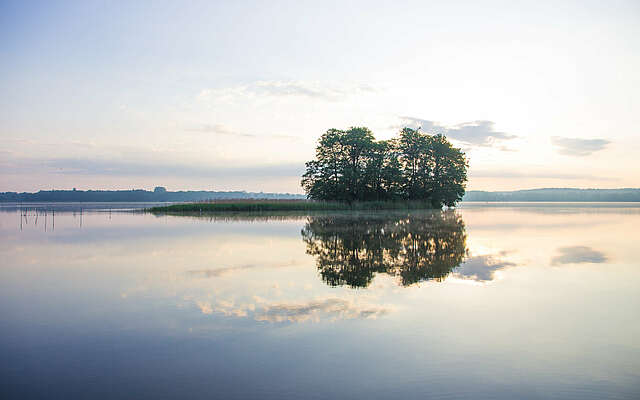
486	301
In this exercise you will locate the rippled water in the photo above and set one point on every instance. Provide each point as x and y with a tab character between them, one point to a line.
488	301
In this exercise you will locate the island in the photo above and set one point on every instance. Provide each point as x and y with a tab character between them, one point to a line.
353	170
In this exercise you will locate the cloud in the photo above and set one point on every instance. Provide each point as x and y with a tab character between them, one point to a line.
578	147
510	174
578	255
280	89
220	129
311	89
474	133
481	268
82	166
332	308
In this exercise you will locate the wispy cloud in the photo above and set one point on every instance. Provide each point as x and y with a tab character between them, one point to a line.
221	129
578	255
309	89
533	174
149	168
474	133
578	147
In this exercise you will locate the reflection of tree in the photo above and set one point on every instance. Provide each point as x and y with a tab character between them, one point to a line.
351	250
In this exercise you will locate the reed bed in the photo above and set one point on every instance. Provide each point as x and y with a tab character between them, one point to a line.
249	205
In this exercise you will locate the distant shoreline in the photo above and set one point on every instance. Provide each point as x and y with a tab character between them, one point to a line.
556	195
162	196
159	195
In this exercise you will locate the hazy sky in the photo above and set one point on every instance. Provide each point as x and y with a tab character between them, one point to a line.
234	95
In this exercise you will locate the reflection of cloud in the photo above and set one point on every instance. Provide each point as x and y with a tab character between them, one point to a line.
474	133
481	268
226	308
214	273
578	147
578	255
313	310
218	272
204	307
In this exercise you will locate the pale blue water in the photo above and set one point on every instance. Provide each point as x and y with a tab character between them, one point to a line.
530	301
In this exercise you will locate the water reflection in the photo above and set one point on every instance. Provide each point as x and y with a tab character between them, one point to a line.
482	268
351	249
238	305
578	255
332	308
294	311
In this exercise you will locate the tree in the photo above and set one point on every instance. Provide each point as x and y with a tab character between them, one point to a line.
339	170
413	149
377	174
323	179
359	147
447	183
350	165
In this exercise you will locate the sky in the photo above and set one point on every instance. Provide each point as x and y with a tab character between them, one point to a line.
233	95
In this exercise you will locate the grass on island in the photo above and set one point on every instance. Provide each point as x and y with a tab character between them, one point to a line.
287	205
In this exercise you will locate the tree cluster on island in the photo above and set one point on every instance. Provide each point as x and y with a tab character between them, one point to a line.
351	165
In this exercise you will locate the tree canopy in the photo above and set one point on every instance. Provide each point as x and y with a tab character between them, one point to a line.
351	165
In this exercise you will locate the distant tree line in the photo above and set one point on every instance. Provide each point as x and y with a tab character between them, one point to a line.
158	195
557	194
350	165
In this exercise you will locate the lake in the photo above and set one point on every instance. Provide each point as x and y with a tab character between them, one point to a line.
497	300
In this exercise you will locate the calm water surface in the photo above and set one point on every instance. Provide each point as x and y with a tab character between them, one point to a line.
528	301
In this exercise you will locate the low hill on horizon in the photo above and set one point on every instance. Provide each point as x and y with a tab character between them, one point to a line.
556	194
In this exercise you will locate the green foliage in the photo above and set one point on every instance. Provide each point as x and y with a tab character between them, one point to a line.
350	165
